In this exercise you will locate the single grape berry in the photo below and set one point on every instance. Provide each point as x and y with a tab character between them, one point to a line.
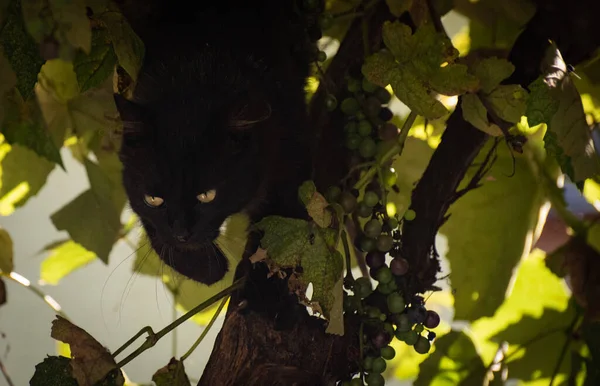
353	141
374	379
417	314
389	177
351	127
321	56
372	106
368	363
310	4
373	228
326	21
410	215
388	352
363	210
348	202
422	345
350	106
330	102
379	365
368	86
356	382
403	323
371	198
364	128
431	335
367	148
354	85
373	312
432	320
419	328
385	114
384	243
381	339
383	95
363	287
395	303
389	328
392	223
411	338
333	194
388	132
384	275
367	244
375	259
399	266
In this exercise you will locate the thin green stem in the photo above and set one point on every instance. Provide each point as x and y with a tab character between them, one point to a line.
174	318
565	347
151	339
206	330
141	332
383	192
347	254
393	151
22	280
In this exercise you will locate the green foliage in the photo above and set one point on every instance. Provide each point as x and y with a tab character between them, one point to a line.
6	252
64	258
94	68
53	371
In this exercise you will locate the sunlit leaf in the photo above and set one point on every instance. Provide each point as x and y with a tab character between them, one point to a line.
63	260
6	252
591	192
492	71
476	114
20	49
58	77
23	174
508	102
172	374
94	68
489	230
316	204
53	370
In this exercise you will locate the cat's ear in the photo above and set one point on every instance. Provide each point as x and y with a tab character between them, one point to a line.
128	110
249	113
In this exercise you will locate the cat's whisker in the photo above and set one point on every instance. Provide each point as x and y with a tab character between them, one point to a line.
130	283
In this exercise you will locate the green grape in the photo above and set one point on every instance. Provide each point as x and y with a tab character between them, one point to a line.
353	141
383	95
383	317
363	287
403	323
350	106
384	288
371	198
348	202
321	56
373	312
395	302
411	338
330	102
410	215
367	244
356	382
325	21
354	85
351	128
385	243
333	193
310	4
374	379
360	115
389	177
422	345
373	228
368	363
346	383
384	275
372	106
378	366
388	352
364	128
389	328
392	223
368	86
419	328
363	210
367	148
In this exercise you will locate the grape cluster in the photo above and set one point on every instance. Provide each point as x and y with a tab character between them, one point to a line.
317	20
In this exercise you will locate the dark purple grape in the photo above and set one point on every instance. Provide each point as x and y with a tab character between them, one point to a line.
417	314
432	319
388	131
381	339
431	335
348	202
383	95
399	266
372	106
375	259
385	114
384	242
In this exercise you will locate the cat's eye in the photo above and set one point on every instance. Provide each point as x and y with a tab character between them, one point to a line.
207	196
153	201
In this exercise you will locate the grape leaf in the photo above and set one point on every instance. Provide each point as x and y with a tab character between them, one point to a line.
53	371
6	252
20	49
492	71
172	374
488	232
455	353
508	102
416	64
591	192
91	362
23	174
398	7
475	113
541	106
293	242
568	136
94	68
591	335
315	204
63	260
128	47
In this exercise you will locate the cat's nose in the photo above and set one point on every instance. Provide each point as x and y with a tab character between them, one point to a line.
180	232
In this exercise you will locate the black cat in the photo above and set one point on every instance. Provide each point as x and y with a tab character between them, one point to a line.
217	125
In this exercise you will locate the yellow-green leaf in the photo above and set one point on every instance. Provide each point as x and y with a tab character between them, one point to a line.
63	260
316	204
94	68
398	7
591	192
508	102
72	22
492	71
475	113
6	252
410	90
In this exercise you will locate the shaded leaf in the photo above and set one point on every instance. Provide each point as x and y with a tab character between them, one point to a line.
20	49
541	106
291	243
475	113
53	371
6	252
508	102
63	260
492	71
488	231
455	357
398	7
8	80
97	230
172	374
24	173
315	204
91	361
336	318
94	68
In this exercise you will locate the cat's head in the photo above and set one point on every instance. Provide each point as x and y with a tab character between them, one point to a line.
188	164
